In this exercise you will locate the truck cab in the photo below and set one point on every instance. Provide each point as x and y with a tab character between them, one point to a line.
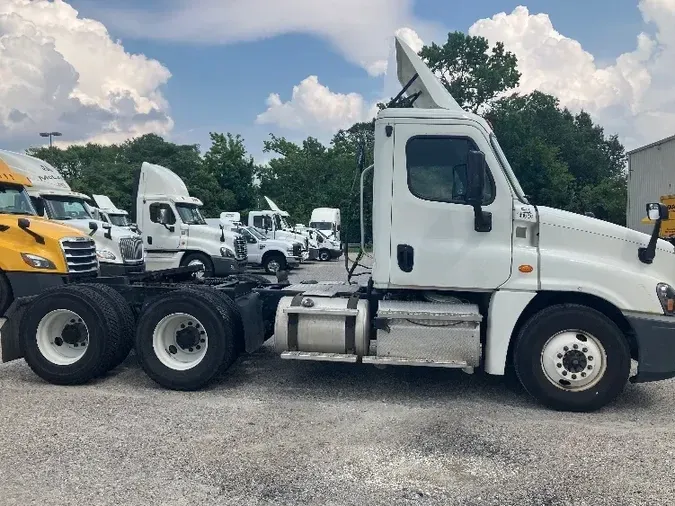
111	214
174	231
119	251
327	220
273	225
36	253
468	274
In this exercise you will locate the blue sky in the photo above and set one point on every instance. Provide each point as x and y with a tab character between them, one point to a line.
224	87
225	58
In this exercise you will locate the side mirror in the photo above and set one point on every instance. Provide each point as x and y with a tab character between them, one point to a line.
475	177
656	212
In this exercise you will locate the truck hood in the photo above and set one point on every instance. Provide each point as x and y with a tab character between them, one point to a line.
48	229
211	235
610	231
116	232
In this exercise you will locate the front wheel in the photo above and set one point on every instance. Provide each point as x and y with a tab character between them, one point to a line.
572	358
274	263
324	255
201	260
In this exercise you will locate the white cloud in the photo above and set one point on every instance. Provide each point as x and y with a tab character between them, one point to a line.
633	96
360	30
316	110
59	71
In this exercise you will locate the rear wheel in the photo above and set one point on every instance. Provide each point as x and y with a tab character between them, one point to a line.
6	295
184	337
127	320
573	358
70	335
201	260
274	263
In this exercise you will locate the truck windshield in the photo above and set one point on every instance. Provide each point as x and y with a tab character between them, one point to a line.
61	207
14	200
254	233
190	215
321	225
121	220
279	222
510	176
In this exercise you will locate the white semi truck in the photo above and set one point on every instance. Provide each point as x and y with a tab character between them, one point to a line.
326	219
174	231
119	251
112	214
467	274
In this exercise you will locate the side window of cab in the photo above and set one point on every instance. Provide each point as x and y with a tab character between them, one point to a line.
155	209
436	168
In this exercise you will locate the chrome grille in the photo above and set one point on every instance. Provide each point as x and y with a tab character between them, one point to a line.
131	249
240	251
297	249
80	253
306	243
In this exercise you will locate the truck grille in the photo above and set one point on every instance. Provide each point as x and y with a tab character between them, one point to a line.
80	253
131	249
297	249
240	251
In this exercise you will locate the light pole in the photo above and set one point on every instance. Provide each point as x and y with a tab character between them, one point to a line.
50	135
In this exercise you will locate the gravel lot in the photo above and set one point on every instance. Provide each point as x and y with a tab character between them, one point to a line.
279	432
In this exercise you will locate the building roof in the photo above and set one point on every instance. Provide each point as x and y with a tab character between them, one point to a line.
653	144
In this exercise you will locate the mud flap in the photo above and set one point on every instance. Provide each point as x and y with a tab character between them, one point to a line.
10	343
250	307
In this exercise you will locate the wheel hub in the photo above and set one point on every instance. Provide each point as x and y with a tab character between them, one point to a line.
188	337
180	341
573	360
73	334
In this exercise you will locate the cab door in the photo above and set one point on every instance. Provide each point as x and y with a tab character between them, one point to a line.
434	238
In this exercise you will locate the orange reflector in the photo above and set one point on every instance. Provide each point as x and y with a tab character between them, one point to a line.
525	268
670	305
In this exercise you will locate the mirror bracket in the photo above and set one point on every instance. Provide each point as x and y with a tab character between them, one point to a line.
647	254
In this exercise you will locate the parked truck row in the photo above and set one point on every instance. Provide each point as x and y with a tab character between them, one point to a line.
467	275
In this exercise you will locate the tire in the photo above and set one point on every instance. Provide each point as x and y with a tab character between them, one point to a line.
192	258
554	340
255	278
272	260
176	365
56	310
127	320
324	255
6	294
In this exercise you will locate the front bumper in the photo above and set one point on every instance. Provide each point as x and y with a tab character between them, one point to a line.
293	261
113	270
335	253
226	266
655	336
313	253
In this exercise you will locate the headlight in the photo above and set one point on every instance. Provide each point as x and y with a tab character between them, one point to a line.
666	294
105	254
226	252
289	251
37	262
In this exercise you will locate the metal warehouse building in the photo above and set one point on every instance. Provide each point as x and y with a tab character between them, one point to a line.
651	176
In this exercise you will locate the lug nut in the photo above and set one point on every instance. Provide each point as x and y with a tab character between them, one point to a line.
560	355
566	348
590	367
173	350
576	346
202	340
182	325
58	341
564	373
574	376
583	374
558	365
190	349
590	358
198	347
189	323
584	350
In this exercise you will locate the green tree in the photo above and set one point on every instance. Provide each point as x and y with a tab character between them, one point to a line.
232	166
473	74
561	159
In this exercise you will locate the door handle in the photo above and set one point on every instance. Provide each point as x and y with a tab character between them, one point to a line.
149	239
405	254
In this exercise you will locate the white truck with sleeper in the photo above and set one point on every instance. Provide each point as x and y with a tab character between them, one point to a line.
326	219
112	214
467	274
175	233
119	251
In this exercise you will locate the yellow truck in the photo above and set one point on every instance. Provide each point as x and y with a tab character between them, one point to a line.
35	253
667	226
